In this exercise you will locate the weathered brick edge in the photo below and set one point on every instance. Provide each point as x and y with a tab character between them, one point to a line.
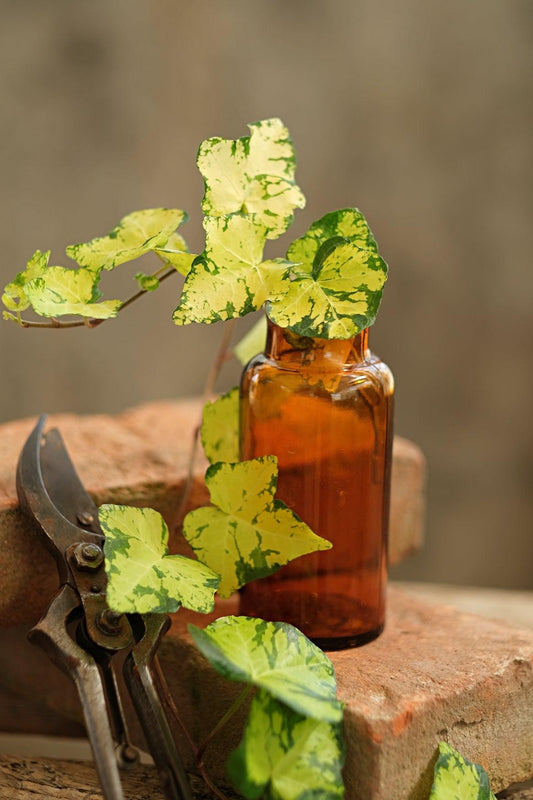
140	458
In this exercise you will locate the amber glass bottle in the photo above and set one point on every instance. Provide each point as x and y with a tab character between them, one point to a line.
324	408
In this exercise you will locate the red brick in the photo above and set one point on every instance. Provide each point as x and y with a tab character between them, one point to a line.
434	674
140	458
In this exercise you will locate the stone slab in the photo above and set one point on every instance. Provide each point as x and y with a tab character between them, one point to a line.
140	458
435	674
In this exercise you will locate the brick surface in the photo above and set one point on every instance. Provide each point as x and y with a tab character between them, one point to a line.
435	674
140	458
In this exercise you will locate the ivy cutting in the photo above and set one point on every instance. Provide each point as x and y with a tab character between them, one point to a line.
327	285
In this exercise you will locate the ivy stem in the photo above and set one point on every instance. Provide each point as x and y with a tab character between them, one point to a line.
198	752
169	700
222	355
89	322
210	785
237	703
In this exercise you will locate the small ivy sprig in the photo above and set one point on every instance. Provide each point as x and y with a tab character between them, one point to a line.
57	291
328	285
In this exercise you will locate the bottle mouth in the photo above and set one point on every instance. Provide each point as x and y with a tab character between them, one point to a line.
316	353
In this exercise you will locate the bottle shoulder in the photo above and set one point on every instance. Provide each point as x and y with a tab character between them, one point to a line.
338	379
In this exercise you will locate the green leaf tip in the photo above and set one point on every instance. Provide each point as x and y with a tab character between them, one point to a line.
456	777
136	234
246	534
275	657
148	283
285	755
252	175
220	428
142	577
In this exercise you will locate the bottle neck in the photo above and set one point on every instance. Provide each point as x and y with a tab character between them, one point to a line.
294	350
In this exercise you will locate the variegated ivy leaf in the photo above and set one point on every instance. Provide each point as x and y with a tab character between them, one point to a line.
14	297
220	428
272	200
176	253
286	756
252	342
136	234
276	657
252	175
230	279
246	533
347	223
142	577
456	777
333	295
62	291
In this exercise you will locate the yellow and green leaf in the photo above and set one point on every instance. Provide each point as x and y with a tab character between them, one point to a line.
276	657
252	175
285	756
456	777
347	223
220	428
14	297
60	291
334	291
246	533
136	234
230	279
142	577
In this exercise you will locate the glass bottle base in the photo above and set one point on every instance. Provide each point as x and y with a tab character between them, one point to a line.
332	620
347	642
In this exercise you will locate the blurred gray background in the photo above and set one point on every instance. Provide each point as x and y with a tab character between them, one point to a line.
419	113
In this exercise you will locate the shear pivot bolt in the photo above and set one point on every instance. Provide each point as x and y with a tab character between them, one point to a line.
109	622
88	556
91	552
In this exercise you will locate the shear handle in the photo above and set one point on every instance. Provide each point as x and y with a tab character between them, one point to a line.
145	697
51	634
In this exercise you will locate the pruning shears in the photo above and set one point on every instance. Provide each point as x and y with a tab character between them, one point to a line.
79	631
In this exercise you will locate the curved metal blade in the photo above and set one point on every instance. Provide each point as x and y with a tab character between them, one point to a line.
51	493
